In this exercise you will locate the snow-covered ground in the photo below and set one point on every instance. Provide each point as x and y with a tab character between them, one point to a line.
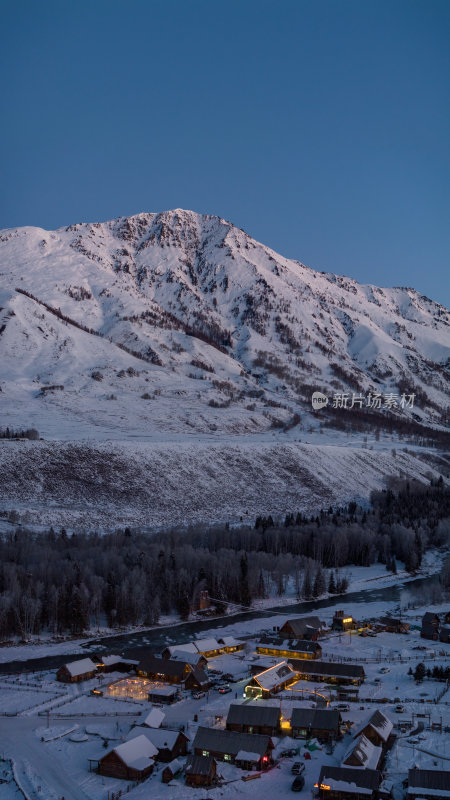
86	485
54	755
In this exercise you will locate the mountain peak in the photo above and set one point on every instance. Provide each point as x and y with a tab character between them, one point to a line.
243	334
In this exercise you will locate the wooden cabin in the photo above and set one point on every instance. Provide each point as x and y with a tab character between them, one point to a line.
271	681
346	783
328	672
200	770
289	648
309	628
169	744
430	784
132	760
254	718
316	723
75	671
226	745
377	729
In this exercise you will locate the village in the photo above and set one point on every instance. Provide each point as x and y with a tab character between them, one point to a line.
333	707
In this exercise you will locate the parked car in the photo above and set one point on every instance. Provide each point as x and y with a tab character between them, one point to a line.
198	695
227	676
371	633
342	707
377	680
288	753
215	671
298	767
224	689
298	783
383	670
399	708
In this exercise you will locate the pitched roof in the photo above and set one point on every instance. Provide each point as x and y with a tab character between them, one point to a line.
222	741
366	754
200	676
380	723
294	645
186	656
327	668
174	766
230	641
248	714
205	645
199	765
154	718
109	661
435	779
352	780
163	666
300	624
318	718
161	738
137	752
80	667
188	647
275	675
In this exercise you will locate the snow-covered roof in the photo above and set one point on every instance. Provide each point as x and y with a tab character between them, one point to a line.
275	675
247	755
137	753
80	667
230	641
108	661
380	723
429	782
174	766
186	656
189	647
351	780
163	691
364	752
154	718
161	737
205	645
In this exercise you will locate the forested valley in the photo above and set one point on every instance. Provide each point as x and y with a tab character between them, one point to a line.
67	584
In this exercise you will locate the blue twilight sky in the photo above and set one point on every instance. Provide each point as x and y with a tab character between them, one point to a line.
322	127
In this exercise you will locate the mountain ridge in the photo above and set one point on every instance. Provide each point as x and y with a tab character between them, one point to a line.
236	337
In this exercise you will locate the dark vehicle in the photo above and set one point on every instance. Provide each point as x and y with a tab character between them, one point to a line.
298	767
227	676
288	753
298	783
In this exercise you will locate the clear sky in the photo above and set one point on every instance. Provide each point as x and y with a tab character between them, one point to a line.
321	127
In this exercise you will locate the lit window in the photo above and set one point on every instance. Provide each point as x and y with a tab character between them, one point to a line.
227	757
205	752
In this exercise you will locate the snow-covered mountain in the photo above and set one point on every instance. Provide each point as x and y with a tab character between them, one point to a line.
230	336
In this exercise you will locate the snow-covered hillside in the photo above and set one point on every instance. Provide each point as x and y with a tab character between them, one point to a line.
231	338
113	484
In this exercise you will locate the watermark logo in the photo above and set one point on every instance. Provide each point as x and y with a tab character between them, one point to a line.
351	400
319	400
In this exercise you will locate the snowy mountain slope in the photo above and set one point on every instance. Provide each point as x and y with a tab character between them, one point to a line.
222	335
105	485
